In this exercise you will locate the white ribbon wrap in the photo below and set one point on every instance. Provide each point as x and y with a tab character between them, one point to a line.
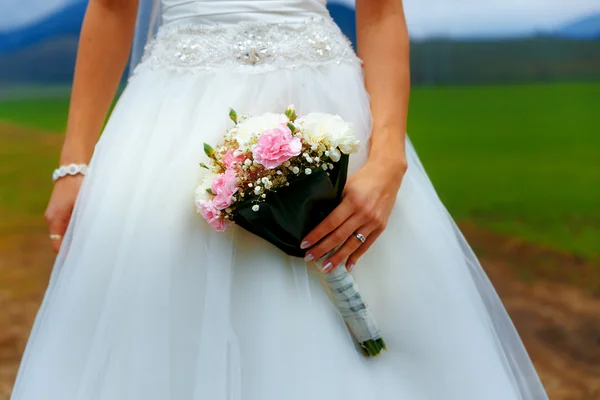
351	305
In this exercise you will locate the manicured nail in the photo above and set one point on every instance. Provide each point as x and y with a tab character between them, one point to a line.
309	257
327	267
305	245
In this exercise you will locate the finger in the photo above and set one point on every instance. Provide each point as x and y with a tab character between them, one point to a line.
361	250
57	229
351	245
56	245
57	225
334	239
337	217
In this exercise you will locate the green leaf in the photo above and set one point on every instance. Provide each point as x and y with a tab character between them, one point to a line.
233	116
209	151
291	114
209	190
292	127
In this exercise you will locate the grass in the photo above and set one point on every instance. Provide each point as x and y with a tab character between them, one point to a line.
520	160
45	114
27	158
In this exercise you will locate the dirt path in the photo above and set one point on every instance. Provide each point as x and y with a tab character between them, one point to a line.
559	323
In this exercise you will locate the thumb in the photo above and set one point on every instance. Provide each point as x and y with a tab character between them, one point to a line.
57	226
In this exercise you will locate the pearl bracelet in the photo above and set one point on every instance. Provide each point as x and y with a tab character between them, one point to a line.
71	169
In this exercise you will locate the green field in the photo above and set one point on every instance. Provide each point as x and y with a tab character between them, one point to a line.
521	160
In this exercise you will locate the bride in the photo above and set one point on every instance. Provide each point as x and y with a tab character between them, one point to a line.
147	302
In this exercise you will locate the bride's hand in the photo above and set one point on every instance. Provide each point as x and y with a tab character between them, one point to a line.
367	203
59	210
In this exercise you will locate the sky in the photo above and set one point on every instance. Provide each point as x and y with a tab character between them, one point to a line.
16	13
426	18
460	18
466	18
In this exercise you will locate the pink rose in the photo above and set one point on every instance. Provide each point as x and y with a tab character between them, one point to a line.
276	146
212	216
223	187
229	158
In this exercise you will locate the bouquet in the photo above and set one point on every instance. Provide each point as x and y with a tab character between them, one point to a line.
278	176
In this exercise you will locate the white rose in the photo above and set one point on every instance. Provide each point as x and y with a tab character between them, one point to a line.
204	178
310	126
255	125
201	196
348	145
335	155
319	127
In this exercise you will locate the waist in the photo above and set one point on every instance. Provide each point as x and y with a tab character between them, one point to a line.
248	47
234	11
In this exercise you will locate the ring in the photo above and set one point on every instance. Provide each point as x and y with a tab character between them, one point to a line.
55	236
361	237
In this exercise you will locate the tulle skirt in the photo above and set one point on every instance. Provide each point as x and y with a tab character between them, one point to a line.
147	302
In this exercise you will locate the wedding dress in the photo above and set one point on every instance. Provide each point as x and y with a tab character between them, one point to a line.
147	302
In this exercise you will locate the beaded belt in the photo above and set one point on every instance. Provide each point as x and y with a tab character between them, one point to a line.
248	47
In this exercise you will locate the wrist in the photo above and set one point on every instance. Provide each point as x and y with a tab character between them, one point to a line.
67	170
387	140
389	154
392	169
74	152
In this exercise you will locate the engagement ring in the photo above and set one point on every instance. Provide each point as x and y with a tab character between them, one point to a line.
361	237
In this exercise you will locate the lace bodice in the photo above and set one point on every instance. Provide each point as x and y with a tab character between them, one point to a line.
249	36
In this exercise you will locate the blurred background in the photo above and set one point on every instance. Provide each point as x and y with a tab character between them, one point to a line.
505	113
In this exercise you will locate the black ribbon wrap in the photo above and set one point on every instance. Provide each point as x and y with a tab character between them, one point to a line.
287	215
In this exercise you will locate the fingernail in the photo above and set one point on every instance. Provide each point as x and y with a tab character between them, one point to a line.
327	267
350	267
305	245
309	257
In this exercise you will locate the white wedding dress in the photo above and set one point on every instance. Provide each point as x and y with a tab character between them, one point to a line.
147	302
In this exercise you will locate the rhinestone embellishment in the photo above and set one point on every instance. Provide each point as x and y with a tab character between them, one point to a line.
248	47
253	50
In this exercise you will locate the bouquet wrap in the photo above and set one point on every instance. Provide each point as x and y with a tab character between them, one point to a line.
293	211
354	311
279	176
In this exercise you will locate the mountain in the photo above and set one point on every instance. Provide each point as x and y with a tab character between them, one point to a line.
587	28
50	61
65	22
345	17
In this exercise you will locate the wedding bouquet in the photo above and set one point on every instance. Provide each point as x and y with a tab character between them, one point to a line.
278	176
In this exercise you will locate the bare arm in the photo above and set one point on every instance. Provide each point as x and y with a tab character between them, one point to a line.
104	45
383	45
